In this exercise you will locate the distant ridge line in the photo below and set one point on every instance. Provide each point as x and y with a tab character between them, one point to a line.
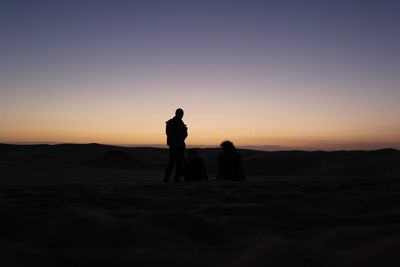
155	146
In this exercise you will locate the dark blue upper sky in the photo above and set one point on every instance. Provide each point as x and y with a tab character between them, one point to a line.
277	29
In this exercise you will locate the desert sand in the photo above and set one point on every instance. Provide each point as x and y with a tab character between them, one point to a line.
64	214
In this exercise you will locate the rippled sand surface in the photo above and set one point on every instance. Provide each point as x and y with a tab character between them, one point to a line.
264	222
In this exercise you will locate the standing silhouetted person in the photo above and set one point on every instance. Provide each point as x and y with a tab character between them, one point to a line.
230	163
193	167
176	132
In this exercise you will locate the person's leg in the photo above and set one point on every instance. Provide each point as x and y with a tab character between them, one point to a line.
170	165
180	154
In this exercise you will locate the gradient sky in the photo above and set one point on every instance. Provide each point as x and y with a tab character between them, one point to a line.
305	74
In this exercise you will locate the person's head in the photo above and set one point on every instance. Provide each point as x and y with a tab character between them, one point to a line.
192	153
227	146
179	113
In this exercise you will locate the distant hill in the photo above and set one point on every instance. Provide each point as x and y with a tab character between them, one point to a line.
256	162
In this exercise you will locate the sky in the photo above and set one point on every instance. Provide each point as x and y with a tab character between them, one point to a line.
294	74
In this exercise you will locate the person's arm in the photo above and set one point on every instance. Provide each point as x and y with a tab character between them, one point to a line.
185	132
168	128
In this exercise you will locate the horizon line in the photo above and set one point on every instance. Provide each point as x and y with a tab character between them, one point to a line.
272	148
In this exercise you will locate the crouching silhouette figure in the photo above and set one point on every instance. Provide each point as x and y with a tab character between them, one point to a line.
193	167
176	132
230	163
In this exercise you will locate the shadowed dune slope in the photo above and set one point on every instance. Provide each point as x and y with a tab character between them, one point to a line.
281	163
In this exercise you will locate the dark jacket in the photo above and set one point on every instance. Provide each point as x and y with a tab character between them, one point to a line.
230	167
176	132
194	170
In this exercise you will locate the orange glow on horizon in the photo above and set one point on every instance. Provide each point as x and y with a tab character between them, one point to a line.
294	116
155	139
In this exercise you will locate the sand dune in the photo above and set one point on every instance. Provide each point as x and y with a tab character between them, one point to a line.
63	215
259	223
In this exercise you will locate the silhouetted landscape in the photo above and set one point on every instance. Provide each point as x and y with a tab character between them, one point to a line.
92	204
251	133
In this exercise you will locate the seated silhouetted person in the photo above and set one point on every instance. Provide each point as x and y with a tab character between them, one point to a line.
230	163
193	167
